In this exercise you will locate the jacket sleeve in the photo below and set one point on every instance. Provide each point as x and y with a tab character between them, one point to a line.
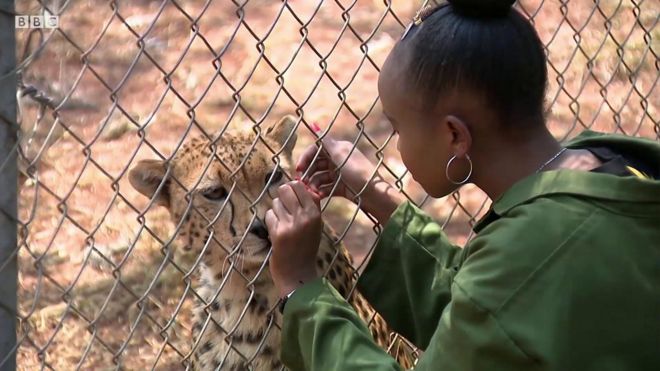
408	279
470	337
321	331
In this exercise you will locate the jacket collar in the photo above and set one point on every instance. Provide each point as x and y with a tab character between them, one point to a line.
583	183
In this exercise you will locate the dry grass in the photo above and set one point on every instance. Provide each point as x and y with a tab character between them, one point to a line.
91	291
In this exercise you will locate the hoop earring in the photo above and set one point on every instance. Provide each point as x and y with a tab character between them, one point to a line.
466	178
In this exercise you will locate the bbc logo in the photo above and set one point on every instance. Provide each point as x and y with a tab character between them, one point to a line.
37	21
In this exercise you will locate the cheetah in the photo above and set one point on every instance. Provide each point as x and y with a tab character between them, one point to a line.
217	194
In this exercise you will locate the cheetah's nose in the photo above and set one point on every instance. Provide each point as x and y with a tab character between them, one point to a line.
258	229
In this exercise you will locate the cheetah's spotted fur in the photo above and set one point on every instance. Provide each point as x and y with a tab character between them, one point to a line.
236	325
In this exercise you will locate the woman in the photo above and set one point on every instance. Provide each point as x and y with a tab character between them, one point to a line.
564	273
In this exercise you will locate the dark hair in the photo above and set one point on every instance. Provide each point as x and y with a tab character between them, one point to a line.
483	45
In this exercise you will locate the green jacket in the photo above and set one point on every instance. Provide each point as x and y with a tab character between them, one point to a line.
564	274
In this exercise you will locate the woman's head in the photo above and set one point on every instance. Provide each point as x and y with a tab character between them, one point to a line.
466	71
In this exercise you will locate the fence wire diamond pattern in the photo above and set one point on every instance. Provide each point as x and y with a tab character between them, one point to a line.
102	283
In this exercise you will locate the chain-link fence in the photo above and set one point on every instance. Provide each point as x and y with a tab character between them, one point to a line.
102	282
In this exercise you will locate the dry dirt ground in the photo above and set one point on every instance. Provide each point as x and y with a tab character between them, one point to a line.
133	79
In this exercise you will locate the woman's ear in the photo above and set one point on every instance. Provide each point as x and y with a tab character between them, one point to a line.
147	176
460	141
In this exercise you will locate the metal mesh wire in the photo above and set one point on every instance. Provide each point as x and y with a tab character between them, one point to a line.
101	283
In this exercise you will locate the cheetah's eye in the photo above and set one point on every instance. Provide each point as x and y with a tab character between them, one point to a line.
276	175
215	193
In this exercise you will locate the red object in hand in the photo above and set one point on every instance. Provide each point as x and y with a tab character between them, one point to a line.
316	127
311	190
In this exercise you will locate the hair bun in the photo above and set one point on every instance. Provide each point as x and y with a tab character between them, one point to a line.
483	8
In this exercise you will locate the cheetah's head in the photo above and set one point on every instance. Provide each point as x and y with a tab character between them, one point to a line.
218	194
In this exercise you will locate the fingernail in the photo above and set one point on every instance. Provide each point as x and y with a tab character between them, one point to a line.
316	127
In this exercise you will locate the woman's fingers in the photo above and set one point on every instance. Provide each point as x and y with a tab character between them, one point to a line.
307	200
280	210
324	190
321	164
289	198
320	178
271	221
306	158
324	159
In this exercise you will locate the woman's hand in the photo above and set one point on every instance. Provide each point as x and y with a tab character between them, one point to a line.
321	177
294	226
378	198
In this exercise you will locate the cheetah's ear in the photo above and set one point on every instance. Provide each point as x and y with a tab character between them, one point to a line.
283	130
147	176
